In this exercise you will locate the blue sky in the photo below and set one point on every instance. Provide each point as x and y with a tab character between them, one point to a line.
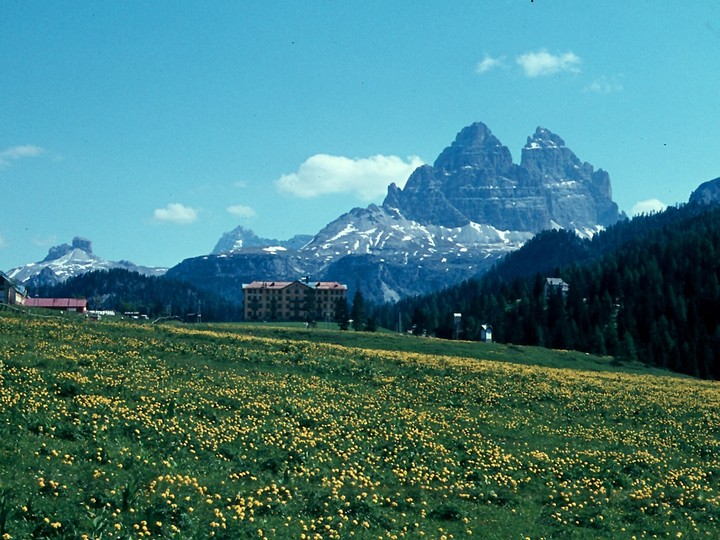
152	128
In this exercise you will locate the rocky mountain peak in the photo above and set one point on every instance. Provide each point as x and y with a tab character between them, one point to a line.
544	138
392	198
240	239
237	239
475	147
546	156
475	180
57	252
82	243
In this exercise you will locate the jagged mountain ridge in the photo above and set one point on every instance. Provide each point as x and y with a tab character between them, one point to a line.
375	248
451	221
385	232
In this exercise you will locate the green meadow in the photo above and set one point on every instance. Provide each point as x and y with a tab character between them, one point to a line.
114	430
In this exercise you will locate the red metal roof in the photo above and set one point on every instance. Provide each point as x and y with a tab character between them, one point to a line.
57	303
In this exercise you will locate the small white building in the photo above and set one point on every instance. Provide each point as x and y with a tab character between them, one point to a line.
486	333
555	285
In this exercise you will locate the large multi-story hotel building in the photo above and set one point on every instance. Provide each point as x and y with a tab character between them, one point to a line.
292	300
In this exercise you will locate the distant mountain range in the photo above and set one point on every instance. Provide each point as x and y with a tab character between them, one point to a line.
451	221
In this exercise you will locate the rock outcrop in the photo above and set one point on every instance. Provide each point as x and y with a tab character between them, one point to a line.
475	180
707	193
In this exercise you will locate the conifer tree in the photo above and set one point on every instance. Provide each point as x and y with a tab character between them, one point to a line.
342	315
628	351
358	311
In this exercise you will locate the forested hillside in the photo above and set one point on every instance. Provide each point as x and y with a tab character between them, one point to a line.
648	289
123	290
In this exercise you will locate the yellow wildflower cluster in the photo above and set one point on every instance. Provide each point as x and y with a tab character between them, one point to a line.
120	429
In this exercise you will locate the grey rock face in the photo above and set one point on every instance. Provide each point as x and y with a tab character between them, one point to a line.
475	180
57	252
475	147
82	243
423	200
579	197
224	274
707	193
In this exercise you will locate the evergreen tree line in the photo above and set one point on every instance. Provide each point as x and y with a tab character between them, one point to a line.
125	291
646	289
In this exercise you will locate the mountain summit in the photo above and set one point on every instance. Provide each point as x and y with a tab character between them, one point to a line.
475	180
81	244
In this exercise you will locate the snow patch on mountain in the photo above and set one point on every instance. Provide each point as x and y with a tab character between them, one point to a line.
274	249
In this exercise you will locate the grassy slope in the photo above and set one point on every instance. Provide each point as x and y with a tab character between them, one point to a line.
391	341
113	430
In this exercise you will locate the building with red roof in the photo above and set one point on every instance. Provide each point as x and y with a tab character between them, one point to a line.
292	300
64	304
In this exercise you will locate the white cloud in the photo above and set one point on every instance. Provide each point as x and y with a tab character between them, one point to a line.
19	152
648	206
605	85
242	211
540	63
366	178
175	213
488	63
